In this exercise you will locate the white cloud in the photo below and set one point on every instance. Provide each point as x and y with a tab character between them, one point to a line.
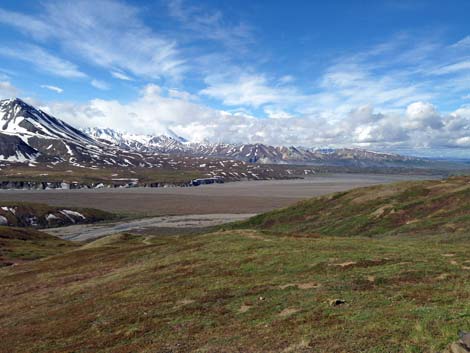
99	84
452	68
108	34
42	60
419	125
210	24
248	90
53	88
7	90
121	76
26	24
286	79
423	115
462	44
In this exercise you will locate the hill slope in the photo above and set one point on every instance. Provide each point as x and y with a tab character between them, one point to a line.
18	245
268	290
239	291
37	215
439	206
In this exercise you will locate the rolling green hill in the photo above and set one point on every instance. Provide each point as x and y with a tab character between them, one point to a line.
411	208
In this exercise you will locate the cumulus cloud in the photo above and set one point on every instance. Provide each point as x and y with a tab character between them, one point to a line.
421	115
157	110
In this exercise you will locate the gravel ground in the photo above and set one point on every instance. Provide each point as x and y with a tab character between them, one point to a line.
229	198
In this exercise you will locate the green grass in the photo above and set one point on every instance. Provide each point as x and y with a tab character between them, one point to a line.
430	207
18	245
240	291
397	255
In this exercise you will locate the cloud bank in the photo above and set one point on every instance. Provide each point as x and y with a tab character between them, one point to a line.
419	126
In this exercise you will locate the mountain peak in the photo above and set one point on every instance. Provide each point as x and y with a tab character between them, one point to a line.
14	101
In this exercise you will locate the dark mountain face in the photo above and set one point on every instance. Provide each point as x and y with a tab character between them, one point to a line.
12	148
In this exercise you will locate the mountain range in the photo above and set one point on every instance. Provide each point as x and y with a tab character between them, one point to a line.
251	153
30	135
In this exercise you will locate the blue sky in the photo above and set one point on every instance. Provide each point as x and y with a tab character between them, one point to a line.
383	75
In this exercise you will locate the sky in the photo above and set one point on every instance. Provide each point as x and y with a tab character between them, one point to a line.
389	75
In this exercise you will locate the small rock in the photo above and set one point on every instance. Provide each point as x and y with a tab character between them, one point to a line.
461	346
337	302
261	298
465	339
457	348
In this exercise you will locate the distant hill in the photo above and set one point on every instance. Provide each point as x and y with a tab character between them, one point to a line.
411	208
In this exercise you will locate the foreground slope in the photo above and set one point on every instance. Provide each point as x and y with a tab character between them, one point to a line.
240	291
298	284
420	207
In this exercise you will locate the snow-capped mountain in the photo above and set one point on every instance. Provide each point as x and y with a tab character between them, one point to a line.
135	142
251	153
29	134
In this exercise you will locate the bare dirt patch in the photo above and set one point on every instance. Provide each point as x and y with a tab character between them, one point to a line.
288	312
244	308
185	302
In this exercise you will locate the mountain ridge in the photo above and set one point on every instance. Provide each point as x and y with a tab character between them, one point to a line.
28	134
252	153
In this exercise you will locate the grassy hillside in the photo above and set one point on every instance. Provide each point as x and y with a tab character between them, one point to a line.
18	245
239	291
37	215
412	208
321	276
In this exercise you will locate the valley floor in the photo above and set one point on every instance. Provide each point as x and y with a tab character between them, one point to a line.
235	197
